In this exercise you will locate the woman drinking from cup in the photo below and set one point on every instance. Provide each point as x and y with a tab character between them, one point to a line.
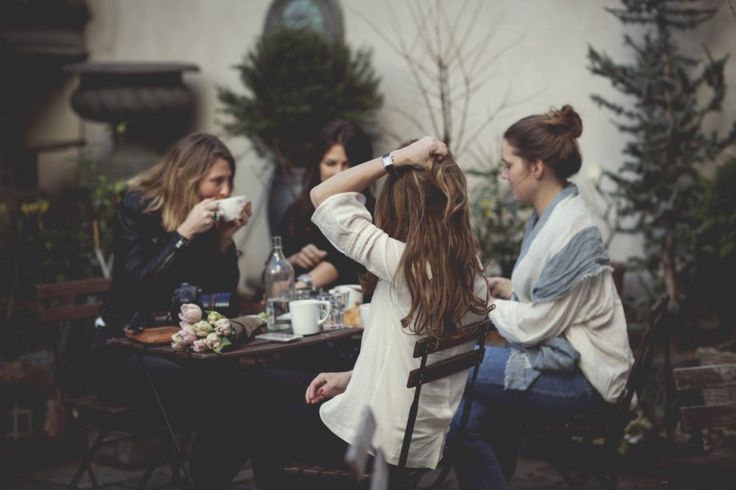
167	232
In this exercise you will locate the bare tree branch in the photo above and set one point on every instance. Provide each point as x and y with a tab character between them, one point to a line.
448	66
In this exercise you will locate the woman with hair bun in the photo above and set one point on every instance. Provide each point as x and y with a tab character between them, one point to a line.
568	350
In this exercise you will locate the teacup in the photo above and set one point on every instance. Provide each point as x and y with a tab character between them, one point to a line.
230	207
355	293
308	315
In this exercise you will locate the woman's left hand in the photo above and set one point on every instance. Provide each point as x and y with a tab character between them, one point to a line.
326	386
228	229
420	154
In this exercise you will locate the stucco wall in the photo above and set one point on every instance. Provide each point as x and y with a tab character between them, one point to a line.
542	47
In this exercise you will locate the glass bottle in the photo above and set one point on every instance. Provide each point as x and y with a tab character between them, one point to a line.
279	279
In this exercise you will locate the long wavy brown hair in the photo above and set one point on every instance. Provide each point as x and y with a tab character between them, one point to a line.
171	186
428	210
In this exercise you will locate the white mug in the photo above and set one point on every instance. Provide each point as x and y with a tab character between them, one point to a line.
365	311
307	315
355	293
229	208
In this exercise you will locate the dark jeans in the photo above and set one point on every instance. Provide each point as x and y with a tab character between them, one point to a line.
487	456
274	426
199	396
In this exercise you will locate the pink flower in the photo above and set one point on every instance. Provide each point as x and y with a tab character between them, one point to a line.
188	337
187	327
200	345
190	313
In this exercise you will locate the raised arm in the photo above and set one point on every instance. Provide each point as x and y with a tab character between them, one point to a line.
356	179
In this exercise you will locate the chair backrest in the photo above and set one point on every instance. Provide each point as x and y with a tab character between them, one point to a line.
698	378
72	300
64	305
426	373
656	334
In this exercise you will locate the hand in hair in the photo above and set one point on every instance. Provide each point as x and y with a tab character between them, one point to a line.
200	219
420	154
326	386
499	287
308	257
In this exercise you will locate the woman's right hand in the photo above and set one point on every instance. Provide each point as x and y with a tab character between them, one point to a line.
200	219
500	287
326	386
308	257
420	154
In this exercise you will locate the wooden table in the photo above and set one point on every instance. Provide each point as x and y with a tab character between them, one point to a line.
252	349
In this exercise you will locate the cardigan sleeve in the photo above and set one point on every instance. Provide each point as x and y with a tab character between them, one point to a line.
590	303
347	224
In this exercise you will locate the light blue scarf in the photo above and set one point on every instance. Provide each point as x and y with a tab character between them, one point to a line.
572	252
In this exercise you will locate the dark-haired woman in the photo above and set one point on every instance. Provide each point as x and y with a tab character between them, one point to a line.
568	351
317	263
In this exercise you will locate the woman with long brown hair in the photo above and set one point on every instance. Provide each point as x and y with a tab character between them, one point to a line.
421	255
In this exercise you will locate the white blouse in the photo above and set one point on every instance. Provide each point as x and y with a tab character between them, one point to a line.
385	359
590	317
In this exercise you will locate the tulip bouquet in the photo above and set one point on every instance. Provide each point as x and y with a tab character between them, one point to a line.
212	333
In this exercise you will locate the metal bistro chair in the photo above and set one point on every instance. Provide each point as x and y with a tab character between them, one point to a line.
401	476
63	307
572	445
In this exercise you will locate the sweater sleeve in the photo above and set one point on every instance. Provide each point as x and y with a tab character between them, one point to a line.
347	224
531	323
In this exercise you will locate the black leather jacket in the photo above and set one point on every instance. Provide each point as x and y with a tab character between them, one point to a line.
151	262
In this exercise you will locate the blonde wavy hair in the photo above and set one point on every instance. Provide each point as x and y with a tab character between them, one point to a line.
171	186
428	210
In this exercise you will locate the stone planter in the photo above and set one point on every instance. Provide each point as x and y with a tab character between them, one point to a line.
147	104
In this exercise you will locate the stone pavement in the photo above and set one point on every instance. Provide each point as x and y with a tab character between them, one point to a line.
531	475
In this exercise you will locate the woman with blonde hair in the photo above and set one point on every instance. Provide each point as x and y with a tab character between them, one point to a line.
166	233
421	256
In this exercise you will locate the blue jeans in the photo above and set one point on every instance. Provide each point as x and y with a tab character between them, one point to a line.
485	456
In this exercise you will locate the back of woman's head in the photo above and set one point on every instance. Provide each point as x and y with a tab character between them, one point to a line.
551	138
171	186
428	210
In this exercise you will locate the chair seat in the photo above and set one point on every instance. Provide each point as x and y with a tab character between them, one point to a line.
305	470
93	404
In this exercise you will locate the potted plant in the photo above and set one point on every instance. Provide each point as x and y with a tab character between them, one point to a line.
296	82
659	185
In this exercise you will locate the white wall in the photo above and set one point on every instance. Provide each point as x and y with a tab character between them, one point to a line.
543	64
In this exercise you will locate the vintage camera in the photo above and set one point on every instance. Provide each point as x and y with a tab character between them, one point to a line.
188	293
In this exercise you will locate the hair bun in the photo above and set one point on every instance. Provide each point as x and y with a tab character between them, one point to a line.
566	121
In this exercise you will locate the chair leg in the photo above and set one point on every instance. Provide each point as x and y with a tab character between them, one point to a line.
444	473
86	464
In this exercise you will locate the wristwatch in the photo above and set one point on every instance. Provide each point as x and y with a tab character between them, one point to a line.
181	242
388	163
306	279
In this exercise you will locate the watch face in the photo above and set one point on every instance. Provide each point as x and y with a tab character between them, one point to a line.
323	16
